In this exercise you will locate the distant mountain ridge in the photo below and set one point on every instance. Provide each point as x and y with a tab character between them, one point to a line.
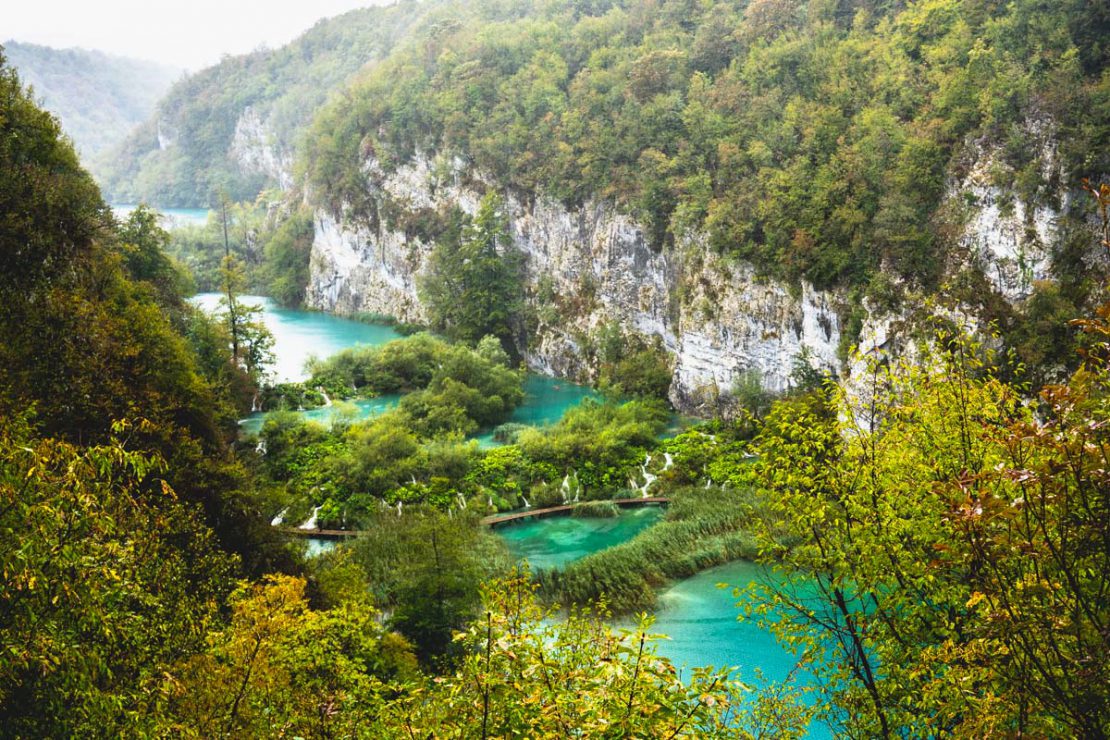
99	98
233	127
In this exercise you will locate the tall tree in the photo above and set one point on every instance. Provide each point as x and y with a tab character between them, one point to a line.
474	284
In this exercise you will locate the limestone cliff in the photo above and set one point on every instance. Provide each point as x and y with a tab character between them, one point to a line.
592	265
586	267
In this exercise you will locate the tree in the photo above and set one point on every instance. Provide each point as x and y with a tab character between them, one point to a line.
251	341
474	283
280	667
528	673
103	580
943	549
427	567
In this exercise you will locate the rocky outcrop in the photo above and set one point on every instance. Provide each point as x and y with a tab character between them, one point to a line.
586	267
256	149
1009	240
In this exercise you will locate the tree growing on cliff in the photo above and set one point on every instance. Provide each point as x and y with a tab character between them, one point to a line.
474	284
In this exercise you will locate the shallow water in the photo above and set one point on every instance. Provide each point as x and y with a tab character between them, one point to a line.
554	541
545	401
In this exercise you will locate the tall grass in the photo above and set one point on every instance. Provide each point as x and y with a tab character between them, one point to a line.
702	528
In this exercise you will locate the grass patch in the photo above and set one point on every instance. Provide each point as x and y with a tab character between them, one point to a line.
595	510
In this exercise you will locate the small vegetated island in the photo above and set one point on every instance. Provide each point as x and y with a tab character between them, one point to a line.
696	207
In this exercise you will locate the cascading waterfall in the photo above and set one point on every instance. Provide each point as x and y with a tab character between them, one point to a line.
311	523
565	488
462	501
277	520
668	461
649	478
260	448
400	507
254	404
527	504
324	393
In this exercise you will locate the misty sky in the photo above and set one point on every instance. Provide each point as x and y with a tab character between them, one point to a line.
190	34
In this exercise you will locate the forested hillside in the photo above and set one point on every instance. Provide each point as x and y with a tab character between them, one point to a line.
887	152
98	98
815	139
232	128
933	531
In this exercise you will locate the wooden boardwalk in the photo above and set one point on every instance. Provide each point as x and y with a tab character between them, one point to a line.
495	519
489	521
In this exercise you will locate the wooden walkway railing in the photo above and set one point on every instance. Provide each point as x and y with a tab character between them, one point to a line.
489	521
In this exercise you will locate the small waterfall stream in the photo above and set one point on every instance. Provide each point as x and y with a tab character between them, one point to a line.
311	522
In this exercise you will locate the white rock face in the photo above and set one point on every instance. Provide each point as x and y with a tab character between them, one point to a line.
256	149
715	319
1009	241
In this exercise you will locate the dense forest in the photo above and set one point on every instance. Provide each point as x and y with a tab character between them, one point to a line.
935	528
813	139
98	98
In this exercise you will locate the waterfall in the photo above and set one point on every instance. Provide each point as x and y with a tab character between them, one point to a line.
254	404
708	483
527	505
489	501
311	523
565	488
277	520
324	393
462	501
668	461
648	477
260	448
400	506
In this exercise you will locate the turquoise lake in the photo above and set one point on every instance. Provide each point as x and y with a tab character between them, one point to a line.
554	541
699	617
173	217
299	335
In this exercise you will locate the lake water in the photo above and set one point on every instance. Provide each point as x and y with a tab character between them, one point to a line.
554	541
172	217
299	335
698	616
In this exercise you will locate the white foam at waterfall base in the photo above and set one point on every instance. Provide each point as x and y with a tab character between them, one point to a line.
277	520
